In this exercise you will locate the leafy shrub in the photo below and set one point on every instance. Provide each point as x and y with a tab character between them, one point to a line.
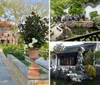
14	50
91	71
8	50
88	58
97	54
26	62
19	55
97	20
44	51
34	27
93	14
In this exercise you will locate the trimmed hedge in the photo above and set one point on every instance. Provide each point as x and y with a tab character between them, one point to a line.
14	51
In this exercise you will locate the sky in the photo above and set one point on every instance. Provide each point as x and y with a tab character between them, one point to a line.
45	1
52	44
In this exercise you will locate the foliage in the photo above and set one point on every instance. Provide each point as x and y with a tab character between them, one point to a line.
34	27
1	7
58	5
18	54
14	50
41	71
91	71
13	46
93	14
8	50
25	62
79	31
97	20
88	58
19	9
76	8
97	55
41	8
16	9
58	48
44	51
93	1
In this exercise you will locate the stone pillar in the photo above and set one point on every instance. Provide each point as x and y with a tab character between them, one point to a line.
33	70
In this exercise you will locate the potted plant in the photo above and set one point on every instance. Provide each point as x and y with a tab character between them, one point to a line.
34	32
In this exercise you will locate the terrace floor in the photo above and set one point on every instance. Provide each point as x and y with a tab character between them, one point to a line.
5	78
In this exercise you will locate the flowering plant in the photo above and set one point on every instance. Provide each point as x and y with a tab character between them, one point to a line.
34	31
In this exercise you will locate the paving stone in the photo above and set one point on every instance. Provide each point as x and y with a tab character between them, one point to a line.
5	78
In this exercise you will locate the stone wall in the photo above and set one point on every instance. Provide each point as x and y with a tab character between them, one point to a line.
19	71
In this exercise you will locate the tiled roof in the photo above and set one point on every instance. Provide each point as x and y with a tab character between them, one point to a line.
75	48
5	24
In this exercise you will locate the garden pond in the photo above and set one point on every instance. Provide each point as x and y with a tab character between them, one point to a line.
66	82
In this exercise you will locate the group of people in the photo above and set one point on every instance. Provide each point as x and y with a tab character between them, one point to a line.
63	18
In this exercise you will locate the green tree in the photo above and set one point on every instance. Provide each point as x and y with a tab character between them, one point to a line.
76	8
58	5
40	8
19	9
34	27
58	48
97	55
88	58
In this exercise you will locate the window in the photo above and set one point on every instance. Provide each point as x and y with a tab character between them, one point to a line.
67	61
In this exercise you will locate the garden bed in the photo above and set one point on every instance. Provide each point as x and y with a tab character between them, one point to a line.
17	53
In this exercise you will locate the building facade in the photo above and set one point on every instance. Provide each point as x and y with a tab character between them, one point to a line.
68	57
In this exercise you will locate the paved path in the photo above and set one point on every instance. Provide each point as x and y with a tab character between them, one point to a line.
5	78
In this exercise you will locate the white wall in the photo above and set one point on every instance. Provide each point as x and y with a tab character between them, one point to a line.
89	9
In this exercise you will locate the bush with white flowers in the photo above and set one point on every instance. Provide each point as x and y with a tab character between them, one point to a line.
34	32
